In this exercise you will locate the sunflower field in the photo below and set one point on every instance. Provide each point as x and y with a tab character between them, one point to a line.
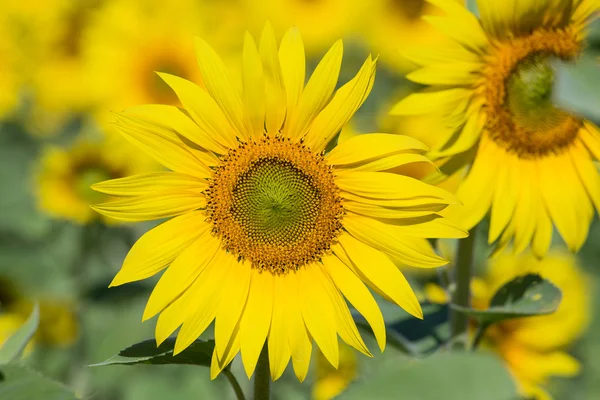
299	199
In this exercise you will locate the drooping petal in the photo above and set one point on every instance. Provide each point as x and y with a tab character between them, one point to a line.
279	347
358	295
382	273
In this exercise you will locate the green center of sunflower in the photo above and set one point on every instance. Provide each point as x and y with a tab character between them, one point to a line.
519	81
85	178
275	203
529	94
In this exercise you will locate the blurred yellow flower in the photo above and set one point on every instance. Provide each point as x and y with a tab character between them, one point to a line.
51	35
329	381
58	326
320	21
270	234
533	348
65	175
132	40
395	25
491	89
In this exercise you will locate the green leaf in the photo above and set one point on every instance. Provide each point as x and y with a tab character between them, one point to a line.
14	346
448	376
524	296
18	382
146	352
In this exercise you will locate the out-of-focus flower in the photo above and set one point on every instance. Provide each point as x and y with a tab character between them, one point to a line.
132	40
531	163
52	35
58	326
320	21
395	25
534	348
65	175
269	234
329	381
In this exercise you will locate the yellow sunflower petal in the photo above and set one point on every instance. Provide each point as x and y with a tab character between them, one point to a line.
256	319
457	73
382	273
358	295
376	211
217	81
372	146
150	207
542	238
204	301
143	185
279	347
275	96
231	349
158	247
179	120
317	92
425	102
293	67
182	272
385	185
158	143
506	194
345	323
588	173
393	241
298	338
346	101
204	110
235	291
318	313
254	86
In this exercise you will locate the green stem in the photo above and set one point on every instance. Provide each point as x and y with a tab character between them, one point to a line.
462	293
262	377
239	394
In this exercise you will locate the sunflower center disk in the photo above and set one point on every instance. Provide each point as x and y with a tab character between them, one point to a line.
519	84
275	203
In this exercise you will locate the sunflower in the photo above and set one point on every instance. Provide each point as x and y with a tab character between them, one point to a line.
393	22
320	21
531	163
329	381
121	57
269	233
65	175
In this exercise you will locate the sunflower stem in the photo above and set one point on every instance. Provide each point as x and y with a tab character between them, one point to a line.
262	376
462	293
239	394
